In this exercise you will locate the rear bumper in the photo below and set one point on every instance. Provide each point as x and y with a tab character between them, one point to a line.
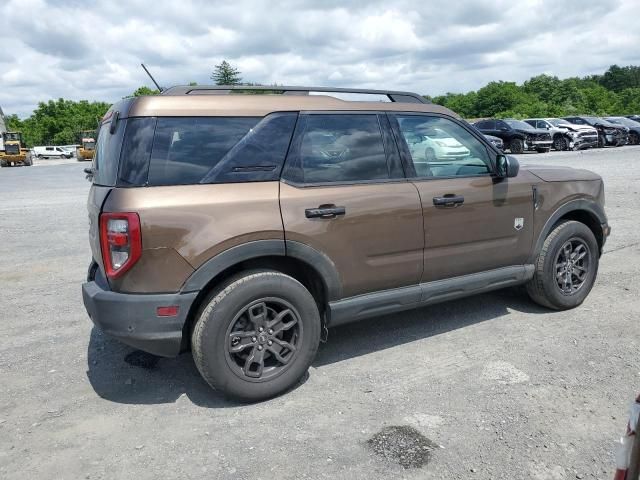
132	318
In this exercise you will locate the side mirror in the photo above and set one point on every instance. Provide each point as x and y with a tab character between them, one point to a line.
507	166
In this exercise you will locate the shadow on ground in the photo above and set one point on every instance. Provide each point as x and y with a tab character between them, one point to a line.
121	374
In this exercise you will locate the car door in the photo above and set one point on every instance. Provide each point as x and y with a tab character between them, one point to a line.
473	221
343	192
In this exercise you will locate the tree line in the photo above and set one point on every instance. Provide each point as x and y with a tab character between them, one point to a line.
615	92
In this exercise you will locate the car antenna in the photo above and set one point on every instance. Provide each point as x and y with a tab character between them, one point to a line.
152	79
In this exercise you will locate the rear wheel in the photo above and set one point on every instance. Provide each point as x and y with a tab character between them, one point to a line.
257	335
28	161
566	268
516	146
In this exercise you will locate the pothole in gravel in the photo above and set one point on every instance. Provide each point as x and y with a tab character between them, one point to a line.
403	445
142	359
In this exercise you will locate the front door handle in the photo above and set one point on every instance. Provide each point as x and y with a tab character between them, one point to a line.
325	211
448	200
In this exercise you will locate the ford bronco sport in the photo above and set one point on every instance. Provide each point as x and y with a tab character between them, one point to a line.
243	226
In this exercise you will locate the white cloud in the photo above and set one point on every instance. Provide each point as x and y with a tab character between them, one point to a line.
92	50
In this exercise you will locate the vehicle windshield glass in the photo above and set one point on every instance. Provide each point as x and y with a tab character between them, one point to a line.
623	121
89	145
556	122
518	124
602	121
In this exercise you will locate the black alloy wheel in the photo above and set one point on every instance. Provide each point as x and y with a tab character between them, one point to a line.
572	265
263	339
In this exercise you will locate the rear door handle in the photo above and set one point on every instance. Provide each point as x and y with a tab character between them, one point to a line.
325	211
448	200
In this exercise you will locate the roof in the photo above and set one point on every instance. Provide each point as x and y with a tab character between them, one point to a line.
260	105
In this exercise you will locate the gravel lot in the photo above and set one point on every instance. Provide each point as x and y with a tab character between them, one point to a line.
490	387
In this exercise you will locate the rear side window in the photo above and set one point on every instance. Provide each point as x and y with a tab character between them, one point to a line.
105	162
338	148
134	159
185	149
259	155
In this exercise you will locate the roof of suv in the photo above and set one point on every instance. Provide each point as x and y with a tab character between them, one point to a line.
191	101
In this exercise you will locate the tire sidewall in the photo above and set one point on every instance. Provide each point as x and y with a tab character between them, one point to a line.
220	312
516	146
552	292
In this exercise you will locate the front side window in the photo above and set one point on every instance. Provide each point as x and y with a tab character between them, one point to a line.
338	148
439	147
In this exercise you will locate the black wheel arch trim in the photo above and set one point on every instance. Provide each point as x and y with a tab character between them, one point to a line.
315	259
584	205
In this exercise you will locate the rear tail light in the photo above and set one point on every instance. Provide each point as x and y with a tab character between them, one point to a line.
121	242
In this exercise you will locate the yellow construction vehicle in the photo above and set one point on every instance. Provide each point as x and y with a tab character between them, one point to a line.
87	147
13	151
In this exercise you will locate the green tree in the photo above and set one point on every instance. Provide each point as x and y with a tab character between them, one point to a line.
226	74
144	90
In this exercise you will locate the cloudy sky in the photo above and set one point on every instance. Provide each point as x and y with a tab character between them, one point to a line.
92	49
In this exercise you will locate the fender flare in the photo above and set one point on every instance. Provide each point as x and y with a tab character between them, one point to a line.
588	206
319	261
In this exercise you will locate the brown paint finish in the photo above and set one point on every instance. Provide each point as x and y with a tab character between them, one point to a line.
197	222
478	235
376	245
159	270
259	105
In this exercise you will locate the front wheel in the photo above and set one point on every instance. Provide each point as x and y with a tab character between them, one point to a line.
560	143
566	268
516	146
257	335
634	139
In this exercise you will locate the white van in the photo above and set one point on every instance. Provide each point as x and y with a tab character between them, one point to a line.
51	152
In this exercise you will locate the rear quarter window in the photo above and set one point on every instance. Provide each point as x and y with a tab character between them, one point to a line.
107	154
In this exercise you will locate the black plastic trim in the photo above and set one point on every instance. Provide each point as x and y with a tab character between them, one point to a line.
405	298
321	263
228	258
574	205
132	318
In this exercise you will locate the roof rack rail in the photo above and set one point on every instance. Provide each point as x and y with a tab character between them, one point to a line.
393	96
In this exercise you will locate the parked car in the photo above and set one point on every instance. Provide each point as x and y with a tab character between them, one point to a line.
517	136
434	144
303	212
608	133
584	136
495	141
632	126
565	135
635	118
51	152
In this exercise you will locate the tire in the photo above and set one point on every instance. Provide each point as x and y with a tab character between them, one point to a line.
38	156
28	161
542	150
516	146
634	139
227	311
602	141
560	143
4	163
543	288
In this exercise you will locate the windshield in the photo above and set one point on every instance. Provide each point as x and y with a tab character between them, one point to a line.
598	120
89	145
623	121
556	122
518	124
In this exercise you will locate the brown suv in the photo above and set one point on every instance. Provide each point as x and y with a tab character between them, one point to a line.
242	226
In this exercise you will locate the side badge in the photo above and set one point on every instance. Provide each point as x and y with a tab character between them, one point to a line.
518	223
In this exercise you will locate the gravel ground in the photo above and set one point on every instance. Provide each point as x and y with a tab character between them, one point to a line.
489	387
